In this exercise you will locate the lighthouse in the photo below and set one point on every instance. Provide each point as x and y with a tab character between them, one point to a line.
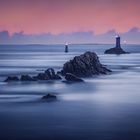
118	39
117	49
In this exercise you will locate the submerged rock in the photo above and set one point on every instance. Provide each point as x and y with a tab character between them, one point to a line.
49	97
72	78
87	64
11	78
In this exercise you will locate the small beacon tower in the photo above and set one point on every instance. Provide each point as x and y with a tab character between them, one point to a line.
66	48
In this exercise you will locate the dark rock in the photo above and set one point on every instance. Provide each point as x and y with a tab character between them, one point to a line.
26	78
42	76
87	64
49	97
58	72
48	75
11	78
52	75
72	78
115	50
58	77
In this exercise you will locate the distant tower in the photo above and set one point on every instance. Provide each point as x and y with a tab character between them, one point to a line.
66	48
118	39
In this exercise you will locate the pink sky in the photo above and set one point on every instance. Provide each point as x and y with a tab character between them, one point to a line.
67	16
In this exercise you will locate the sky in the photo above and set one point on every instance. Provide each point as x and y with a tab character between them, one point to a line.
62	19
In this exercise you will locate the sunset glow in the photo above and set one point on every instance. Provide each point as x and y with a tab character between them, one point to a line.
68	16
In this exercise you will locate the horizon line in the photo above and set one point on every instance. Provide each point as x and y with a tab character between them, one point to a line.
71	44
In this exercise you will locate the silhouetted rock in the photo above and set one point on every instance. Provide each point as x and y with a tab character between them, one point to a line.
87	64
117	49
72	78
11	78
49	97
42	76
26	78
57	77
49	74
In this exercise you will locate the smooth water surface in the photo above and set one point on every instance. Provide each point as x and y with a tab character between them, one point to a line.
105	107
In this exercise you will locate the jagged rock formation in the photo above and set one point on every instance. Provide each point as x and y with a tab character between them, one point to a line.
27	78
87	64
49	74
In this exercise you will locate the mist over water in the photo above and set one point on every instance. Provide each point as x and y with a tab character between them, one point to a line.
104	107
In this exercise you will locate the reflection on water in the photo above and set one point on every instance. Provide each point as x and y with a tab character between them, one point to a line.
104	107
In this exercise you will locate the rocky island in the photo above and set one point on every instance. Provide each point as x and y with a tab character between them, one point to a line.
85	65
117	49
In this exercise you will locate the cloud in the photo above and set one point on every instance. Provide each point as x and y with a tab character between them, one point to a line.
132	36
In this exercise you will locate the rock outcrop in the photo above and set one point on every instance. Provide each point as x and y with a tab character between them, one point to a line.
41	76
115	50
49	74
85	65
52	75
72	78
27	78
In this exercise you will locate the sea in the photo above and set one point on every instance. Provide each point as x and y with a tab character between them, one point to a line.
104	107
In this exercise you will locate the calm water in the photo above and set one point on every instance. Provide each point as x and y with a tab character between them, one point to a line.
105	107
